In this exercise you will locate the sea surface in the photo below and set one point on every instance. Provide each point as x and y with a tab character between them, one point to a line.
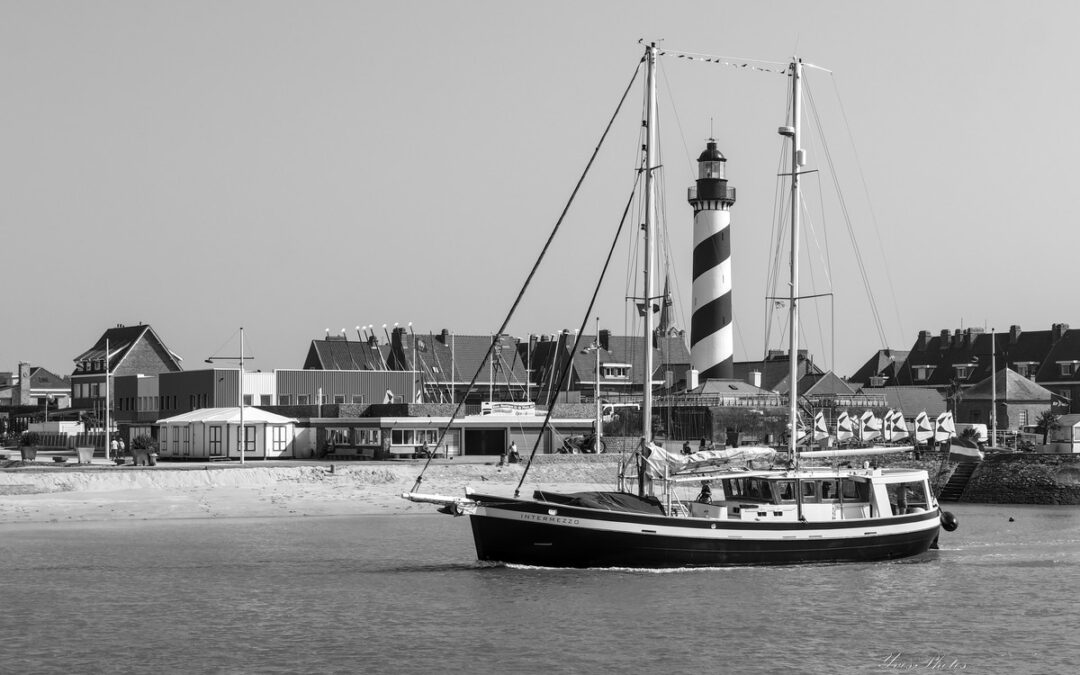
405	594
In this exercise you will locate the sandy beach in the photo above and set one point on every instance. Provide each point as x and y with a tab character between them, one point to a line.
41	493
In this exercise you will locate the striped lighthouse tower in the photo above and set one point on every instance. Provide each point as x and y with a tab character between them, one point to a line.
712	351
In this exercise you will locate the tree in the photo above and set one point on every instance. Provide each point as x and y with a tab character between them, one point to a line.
1047	421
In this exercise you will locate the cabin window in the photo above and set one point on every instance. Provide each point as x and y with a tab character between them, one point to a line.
786	490
855	491
828	490
907	497
809	490
733	488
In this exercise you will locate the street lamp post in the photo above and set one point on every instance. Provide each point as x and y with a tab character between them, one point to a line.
242	435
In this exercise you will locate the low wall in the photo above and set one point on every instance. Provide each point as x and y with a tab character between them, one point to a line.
1025	478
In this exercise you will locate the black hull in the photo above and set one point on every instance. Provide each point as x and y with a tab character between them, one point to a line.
568	541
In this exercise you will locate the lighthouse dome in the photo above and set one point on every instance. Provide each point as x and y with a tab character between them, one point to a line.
711	154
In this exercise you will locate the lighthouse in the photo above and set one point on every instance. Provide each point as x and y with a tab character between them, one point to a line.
712	352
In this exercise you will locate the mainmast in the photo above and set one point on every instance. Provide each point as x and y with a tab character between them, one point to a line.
650	227
797	162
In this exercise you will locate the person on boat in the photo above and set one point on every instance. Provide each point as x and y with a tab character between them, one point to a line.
686	449
706	493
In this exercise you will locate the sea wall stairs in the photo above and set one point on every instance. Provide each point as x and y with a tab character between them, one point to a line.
954	489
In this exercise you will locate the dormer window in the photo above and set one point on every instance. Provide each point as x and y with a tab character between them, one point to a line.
963	371
615	371
923	373
1068	368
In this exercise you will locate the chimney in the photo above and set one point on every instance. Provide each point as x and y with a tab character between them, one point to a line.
924	341
755	378
444	336
691	379
1058	330
605	339
24	384
946	340
1014	334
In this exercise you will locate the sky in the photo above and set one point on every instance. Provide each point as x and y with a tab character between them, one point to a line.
290	167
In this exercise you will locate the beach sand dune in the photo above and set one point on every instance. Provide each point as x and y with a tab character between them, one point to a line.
64	494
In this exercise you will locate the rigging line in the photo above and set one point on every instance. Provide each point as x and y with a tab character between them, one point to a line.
850	227
870	205
777	233
536	265
678	122
810	270
584	322
438	364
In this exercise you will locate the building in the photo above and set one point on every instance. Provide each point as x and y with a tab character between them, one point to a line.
953	361
1017	400
123	350
211	433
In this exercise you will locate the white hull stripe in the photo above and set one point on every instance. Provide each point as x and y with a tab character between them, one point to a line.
858	528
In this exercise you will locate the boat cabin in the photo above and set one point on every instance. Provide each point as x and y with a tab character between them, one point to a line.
869	493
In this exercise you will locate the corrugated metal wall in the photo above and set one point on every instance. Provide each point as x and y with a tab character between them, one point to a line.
371	384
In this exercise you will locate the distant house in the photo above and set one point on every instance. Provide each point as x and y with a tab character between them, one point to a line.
953	361
34	386
517	369
773	373
1019	401
132	350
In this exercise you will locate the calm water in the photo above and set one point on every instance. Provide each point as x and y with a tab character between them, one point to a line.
404	594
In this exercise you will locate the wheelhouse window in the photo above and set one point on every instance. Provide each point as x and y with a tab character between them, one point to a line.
907	498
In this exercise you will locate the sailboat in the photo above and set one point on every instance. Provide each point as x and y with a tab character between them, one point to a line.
781	515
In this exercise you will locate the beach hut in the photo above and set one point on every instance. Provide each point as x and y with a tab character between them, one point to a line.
213	433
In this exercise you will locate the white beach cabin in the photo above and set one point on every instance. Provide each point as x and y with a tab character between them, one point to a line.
213	433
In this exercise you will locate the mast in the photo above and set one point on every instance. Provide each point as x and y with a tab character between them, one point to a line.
650	226
993	389
793	305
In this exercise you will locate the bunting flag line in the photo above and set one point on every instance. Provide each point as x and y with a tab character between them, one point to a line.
725	61
923	430
844	429
821	430
944	429
870	426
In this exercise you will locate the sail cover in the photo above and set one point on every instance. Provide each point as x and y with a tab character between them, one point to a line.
660	459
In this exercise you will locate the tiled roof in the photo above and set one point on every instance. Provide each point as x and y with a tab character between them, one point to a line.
775	371
912	400
885	363
339	354
1011	387
824	384
120	340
